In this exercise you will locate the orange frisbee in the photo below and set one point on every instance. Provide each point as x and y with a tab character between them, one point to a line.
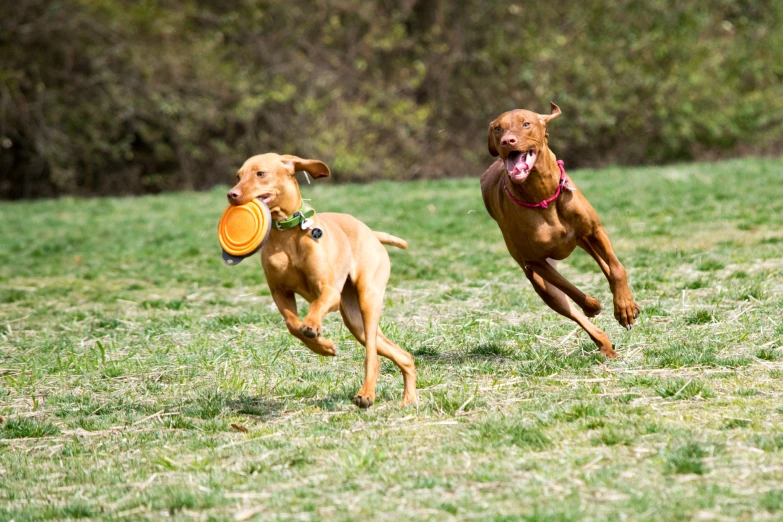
243	230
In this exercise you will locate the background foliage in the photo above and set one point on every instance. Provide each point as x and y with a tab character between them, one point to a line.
110	96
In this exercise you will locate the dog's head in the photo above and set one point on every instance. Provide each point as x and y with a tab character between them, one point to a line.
518	137
271	178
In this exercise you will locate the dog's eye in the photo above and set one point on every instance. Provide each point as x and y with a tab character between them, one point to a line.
260	173
526	124
498	128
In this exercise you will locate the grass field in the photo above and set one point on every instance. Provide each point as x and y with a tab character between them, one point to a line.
142	378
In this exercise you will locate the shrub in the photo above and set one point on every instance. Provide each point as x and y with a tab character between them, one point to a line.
101	98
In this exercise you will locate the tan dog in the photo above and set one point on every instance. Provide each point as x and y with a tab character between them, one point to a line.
346	267
543	218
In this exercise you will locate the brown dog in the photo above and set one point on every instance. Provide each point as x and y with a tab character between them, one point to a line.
332	260
543	218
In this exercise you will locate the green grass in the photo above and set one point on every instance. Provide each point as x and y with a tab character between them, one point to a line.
128	351
685	459
681	388
21	428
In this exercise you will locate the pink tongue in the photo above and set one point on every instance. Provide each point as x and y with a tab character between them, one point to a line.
518	166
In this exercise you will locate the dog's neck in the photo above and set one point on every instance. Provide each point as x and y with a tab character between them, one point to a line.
288	205
542	181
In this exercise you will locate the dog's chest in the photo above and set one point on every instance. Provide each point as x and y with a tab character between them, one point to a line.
278	261
287	263
538	238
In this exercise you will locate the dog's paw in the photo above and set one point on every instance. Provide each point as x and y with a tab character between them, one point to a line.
626	312
604	345
310	332
409	398
592	306
321	346
363	401
609	353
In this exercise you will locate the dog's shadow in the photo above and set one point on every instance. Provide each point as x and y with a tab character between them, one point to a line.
261	408
488	351
265	409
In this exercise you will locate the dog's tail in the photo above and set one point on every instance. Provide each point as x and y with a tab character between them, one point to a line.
388	239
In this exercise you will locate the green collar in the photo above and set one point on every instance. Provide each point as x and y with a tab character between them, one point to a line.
304	214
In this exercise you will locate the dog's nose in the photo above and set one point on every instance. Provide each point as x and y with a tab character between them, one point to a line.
233	195
508	141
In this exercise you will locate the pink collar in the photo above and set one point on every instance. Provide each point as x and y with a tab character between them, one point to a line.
543	204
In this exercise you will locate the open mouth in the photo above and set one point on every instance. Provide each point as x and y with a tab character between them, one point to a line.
518	164
266	198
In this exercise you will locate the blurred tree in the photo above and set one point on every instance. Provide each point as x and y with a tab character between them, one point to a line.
118	96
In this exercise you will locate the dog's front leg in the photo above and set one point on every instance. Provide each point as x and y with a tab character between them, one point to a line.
286	303
327	301
598	245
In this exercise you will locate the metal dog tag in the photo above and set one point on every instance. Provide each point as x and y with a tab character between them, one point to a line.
316	233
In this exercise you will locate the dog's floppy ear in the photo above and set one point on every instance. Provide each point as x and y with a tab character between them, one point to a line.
493	150
552	115
315	168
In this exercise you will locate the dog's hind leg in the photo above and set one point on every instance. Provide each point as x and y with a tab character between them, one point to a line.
546	270
404	361
351	311
362	314
557	300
